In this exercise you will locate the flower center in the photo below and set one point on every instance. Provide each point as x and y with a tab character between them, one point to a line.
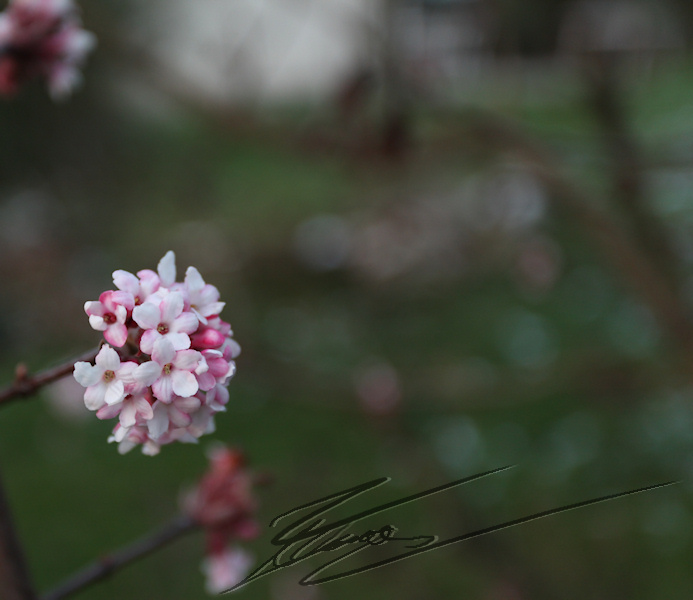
109	318
108	376
167	368
138	300
162	328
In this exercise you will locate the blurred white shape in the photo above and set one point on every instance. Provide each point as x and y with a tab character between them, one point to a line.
323	242
262	49
66	400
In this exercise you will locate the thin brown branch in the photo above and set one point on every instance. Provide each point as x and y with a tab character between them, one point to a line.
25	385
109	564
15	583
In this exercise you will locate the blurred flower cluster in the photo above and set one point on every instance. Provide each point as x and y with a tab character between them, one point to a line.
223	504
42	38
178	356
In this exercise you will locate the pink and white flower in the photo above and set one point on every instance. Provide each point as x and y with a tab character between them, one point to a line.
165	319
141	286
110	314
105	381
170	372
202	297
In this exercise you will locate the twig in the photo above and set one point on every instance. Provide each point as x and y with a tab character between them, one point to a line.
26	385
109	564
14	576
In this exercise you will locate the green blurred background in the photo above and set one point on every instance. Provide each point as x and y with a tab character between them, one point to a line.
466	245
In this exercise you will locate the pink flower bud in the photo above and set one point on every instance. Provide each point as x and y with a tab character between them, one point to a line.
207	339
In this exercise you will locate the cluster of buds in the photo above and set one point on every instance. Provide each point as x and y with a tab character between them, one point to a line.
42	38
177	357
223	505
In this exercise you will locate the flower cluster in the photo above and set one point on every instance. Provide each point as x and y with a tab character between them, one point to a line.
176	358
223	504
42	38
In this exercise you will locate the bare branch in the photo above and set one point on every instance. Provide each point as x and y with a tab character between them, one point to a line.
26	385
109	564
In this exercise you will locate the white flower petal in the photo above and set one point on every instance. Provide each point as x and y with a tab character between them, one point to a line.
193	280
87	374
187	322
163	351
209	310
121	313
184	383
188	405
126	372
171	307
158	424
187	360
147	315
180	341
148	340
234	347
115	392
178	417
126	281
127	415
150	448
108	358
120	432
167	269
125	446
147	373
94	396
94	308
208	295
163	388
97	323
143	407
116	334
108	412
